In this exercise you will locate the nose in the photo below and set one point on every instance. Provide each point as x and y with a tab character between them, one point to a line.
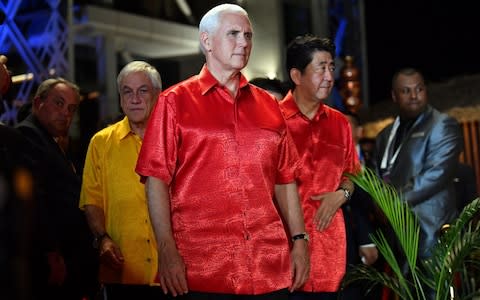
328	75
413	94
136	98
65	112
242	40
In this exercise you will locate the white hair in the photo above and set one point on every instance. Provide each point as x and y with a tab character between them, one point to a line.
210	21
140	66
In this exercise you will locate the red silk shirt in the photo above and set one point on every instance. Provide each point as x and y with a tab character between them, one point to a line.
221	158
326	151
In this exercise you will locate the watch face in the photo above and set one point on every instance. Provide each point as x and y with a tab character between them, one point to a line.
346	193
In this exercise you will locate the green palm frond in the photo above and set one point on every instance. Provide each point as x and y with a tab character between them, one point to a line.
454	259
397	212
373	277
456	250
403	222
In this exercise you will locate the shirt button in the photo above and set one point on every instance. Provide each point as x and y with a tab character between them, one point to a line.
149	259
148	240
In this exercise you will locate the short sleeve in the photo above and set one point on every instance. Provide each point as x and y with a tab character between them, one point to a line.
158	154
289	161
92	182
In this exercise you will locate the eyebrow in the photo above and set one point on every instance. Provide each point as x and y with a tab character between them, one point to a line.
142	86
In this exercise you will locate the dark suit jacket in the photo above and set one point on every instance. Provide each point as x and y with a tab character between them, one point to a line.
67	228
424	169
357	223
16	214
465	185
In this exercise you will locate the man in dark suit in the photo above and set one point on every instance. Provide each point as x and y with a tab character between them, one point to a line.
418	155
65	262
359	225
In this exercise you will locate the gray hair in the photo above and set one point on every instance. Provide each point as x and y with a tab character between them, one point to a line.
211	20
140	66
46	86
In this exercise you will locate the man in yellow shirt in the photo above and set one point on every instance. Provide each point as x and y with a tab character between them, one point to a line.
113	197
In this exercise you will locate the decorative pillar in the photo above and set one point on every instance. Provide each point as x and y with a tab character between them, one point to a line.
350	85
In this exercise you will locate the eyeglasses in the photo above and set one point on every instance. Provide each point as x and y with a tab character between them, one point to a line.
141	93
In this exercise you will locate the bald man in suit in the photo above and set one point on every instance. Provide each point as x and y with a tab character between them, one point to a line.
418	155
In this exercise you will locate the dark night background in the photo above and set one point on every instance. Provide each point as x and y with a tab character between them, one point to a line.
438	37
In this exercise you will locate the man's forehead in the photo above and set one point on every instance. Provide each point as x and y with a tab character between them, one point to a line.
137	79
409	80
65	93
229	19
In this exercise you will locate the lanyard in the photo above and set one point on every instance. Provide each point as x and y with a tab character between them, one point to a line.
386	164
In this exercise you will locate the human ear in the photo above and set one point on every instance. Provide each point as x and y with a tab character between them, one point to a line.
205	40
295	75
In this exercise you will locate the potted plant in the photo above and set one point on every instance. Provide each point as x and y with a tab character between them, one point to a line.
452	271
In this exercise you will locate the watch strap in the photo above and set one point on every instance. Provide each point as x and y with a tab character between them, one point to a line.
346	193
301	236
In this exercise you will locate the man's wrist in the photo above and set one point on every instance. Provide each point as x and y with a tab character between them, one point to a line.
301	236
346	193
97	241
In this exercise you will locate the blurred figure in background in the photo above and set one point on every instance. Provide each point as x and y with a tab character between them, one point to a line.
360	218
65	263
17	206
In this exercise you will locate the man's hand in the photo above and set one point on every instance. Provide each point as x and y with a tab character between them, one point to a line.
110	254
300	262
58	270
5	80
171	270
368	254
331	202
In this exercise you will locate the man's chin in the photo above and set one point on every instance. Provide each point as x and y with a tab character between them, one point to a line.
240	64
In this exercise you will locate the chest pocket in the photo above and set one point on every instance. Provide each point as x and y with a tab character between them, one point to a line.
328	160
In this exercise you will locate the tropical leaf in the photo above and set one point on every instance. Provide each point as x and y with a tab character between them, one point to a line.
455	259
456	252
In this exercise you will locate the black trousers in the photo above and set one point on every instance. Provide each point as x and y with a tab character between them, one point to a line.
313	296
277	295
133	292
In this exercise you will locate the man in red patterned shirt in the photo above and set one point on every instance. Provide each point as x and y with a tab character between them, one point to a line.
327	152
216	153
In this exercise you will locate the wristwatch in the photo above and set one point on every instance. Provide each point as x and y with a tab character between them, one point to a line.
301	236
97	241
346	193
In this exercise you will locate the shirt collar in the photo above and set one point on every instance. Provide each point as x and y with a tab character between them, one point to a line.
124	128
290	107
207	81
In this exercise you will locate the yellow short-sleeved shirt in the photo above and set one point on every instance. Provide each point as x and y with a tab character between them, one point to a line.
110	182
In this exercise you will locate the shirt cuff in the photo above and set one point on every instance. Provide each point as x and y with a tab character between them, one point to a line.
371	245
